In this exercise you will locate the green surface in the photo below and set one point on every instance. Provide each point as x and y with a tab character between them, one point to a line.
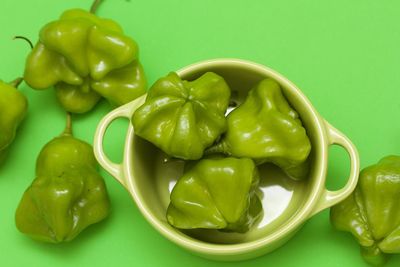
344	55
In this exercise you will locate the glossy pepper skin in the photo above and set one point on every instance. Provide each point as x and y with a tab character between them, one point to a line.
216	194
267	129
372	212
67	194
86	58
182	118
13	108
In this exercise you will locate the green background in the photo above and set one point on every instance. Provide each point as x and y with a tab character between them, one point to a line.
344	55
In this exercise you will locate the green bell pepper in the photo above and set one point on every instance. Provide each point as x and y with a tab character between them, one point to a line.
86	58
267	129
372	212
13	108
67	194
182	118
216	194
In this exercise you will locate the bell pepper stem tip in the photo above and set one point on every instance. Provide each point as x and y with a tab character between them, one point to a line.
24	38
68	126
95	6
15	83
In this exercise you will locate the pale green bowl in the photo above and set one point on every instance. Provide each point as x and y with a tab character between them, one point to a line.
287	204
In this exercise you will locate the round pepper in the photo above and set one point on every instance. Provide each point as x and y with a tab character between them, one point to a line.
267	129
86	58
13	108
67	194
216	193
372	212
182	118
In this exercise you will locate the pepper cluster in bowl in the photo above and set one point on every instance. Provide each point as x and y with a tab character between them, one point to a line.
187	120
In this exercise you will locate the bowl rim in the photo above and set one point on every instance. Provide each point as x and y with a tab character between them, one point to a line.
202	247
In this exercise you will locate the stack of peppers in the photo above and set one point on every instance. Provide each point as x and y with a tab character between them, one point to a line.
186	120
84	58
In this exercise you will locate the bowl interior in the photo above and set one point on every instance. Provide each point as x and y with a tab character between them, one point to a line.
282	198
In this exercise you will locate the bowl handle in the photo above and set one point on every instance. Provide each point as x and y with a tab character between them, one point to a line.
125	111
330	198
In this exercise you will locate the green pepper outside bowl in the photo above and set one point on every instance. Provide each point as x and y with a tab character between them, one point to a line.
287	204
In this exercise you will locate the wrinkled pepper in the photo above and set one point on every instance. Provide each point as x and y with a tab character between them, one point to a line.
372	212
67	194
267	129
182	118
13	108
216	194
85	58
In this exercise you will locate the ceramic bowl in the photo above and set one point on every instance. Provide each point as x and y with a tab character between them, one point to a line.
287	204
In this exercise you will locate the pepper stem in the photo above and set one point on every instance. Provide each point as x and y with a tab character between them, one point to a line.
68	125
24	38
94	6
16	82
